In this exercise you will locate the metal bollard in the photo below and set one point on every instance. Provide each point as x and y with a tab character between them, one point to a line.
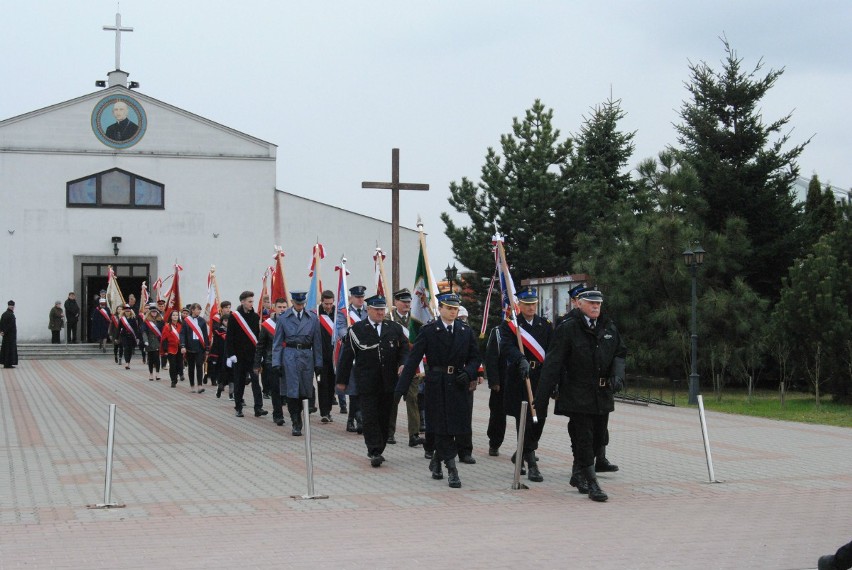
309	462
706	440
519	453
107	504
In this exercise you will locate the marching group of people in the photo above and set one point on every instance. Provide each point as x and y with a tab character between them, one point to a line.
281	348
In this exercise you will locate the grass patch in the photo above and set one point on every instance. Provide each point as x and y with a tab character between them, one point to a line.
798	407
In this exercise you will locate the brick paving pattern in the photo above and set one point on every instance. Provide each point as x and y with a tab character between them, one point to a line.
204	489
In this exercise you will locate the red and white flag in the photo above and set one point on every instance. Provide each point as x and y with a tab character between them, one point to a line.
211	309
379	270
173	301
278	287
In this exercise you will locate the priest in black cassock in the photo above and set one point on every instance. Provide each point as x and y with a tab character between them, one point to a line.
9	335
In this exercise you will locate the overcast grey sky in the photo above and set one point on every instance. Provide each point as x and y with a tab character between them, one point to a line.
337	84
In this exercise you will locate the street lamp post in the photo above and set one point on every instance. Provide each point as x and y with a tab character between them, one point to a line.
451	273
693	258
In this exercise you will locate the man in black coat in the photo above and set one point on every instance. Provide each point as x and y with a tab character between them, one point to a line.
452	358
9	336
495	372
586	359
325	382
72	316
535	333
378	348
263	360
240	346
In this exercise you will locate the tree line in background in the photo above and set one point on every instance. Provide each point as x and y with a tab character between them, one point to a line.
775	290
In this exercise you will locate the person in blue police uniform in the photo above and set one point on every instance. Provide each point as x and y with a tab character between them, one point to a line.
377	347
586	359
452	362
357	312
297	353
535	334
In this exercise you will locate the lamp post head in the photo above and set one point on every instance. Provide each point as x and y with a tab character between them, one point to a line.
699	254
688	256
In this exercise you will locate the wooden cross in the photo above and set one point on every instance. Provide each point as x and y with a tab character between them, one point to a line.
117	29
395	186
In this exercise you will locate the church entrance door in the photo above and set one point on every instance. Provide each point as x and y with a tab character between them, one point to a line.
94	279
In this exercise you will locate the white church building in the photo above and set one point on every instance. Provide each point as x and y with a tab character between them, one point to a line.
119	178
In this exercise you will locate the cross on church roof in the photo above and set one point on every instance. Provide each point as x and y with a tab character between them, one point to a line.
117	29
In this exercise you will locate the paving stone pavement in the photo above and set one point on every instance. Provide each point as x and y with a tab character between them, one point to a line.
204	489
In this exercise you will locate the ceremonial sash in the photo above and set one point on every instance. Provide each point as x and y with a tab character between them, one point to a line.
153	328
128	327
170	328
191	324
353	314
327	324
530	343
270	325
244	325
104	314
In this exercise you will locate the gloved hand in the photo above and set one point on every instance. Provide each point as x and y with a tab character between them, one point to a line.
462	380
231	361
524	367
146	344
617	384
317	370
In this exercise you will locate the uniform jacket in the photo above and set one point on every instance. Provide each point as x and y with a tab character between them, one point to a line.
187	336
448	402
170	343
124	333
515	388
376	359
100	326
495	366
263	353
238	343
581	362
297	351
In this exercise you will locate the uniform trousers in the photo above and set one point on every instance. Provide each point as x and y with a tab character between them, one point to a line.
600	437
273	379
447	446
375	414
174	367
195	364
585	431
412	408
127	345
532	433
153	362
496	419
325	389
242	370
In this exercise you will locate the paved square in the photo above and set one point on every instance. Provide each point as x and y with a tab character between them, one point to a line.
204	489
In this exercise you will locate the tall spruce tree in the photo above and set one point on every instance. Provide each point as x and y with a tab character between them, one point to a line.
742	171
821	212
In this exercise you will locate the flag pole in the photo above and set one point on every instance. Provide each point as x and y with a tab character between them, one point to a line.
433	294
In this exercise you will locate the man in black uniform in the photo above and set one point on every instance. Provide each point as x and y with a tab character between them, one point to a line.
535	333
263	360
325	383
452	358
379	348
495	372
586	360
240	347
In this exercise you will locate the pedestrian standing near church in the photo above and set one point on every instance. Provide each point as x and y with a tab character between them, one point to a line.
128	327
452	362
297	354
151	333
377	348
9	337
101	320
194	345
72	317
586	359
56	320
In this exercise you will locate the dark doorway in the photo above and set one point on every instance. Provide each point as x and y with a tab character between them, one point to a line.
95	276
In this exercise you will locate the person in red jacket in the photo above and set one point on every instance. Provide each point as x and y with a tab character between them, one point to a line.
170	346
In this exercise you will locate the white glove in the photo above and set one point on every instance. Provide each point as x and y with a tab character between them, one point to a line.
231	361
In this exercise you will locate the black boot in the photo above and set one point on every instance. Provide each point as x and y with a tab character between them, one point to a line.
602	464
350	425
297	424
578	479
523	469
534	473
435	468
453	474
359	423
595	492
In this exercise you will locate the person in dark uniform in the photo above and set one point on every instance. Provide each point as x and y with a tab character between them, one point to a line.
535	336
263	360
495	373
325	383
401	313
465	442
194	346
72	316
357	312
297	353
101	320
378	348
452	358
240	346
127	330
9	336
586	359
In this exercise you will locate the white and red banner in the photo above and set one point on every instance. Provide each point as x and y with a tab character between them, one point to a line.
244	325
